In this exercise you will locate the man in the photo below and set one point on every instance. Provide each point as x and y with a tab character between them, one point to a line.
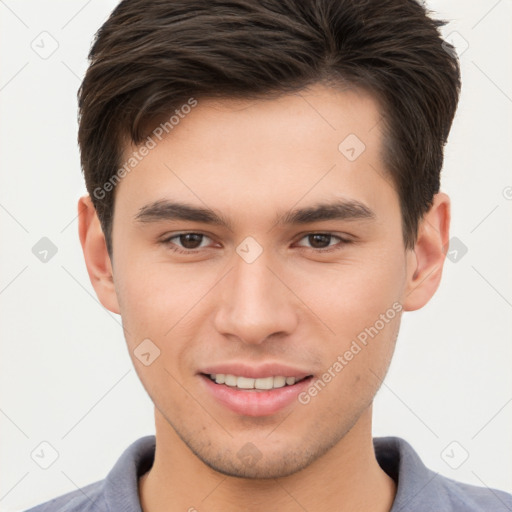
263	206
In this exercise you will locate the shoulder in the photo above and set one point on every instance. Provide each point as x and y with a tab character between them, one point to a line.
423	490
118	491
472	498
88	498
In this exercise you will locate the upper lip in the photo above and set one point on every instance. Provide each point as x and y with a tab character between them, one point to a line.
255	371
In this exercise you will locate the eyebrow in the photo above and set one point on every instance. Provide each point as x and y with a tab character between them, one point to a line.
339	210
164	210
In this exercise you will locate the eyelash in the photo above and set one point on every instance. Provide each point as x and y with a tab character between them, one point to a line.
342	241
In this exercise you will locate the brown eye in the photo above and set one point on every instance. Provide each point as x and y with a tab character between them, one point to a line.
319	240
190	240
323	242
185	242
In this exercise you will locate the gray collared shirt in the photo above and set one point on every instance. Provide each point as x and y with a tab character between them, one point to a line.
418	488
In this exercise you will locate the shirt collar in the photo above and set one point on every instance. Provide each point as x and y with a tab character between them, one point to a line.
122	483
418	488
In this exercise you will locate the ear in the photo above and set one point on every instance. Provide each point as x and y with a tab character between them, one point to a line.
425	262
97	259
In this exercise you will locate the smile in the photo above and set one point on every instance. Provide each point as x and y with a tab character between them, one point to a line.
247	396
263	384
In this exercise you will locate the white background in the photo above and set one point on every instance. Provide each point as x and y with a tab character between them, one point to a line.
65	374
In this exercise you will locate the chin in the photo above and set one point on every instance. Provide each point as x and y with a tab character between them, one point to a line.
260	469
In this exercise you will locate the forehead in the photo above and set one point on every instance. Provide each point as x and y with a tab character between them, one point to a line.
247	155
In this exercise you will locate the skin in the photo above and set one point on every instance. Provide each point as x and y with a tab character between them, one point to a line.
248	161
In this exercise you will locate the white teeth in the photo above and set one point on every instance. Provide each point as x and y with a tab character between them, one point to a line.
244	383
279	382
248	383
230	380
264	383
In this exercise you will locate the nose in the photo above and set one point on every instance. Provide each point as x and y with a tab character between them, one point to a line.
254	303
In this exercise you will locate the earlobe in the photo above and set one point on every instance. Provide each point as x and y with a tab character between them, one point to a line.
97	259
425	262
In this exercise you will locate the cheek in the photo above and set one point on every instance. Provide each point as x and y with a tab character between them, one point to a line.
157	298
362	307
157	303
353	295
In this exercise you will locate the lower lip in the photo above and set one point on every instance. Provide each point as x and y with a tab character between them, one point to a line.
250	402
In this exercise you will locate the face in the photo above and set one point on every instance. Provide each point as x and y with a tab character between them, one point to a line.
260	244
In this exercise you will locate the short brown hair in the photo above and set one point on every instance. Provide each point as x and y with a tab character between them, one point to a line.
151	56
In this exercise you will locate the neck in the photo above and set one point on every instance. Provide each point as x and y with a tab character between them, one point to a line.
347	477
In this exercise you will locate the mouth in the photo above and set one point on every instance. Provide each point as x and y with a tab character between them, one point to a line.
258	396
250	384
